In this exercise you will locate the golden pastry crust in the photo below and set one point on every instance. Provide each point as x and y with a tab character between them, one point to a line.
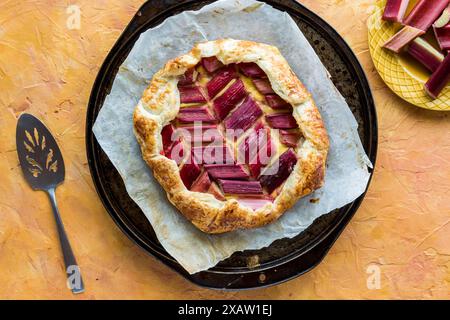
160	104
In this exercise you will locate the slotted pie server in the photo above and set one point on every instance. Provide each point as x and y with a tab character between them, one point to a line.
43	168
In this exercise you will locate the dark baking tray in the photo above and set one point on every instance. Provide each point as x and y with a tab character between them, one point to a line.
285	258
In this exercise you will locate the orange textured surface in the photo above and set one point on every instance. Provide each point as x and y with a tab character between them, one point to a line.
402	227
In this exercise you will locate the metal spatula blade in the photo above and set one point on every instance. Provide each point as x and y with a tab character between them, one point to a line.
39	155
43	168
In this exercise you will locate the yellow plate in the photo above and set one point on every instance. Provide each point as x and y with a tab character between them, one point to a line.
405	77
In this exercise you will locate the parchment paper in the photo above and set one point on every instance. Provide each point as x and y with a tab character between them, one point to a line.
347	174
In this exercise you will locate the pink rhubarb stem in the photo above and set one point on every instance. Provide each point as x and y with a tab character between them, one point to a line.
402	38
251	70
244	116
225	171
211	64
240	187
425	13
439	79
395	10
426	54
281	121
191	95
443	37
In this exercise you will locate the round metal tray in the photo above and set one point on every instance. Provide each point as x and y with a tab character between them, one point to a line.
285	258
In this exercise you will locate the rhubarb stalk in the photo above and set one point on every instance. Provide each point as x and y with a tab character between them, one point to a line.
202	183
439	79
443	37
255	203
426	54
219	154
281	121
425	13
402	38
220	80
263	86
285	165
167	139
395	10
196	114
289	138
275	102
189	172
191	95
251	70
188	78
240	187
203	133
228	100
211	64
215	191
176	152
244	116
444	18
225	171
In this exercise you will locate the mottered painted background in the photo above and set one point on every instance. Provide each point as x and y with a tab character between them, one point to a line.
401	232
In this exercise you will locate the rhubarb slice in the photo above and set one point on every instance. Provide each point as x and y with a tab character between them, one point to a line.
188	78
228	100
189	172
211	64
402	38
167	138
244	116
281	121
257	150
263	86
285	165
255	169
213	154
425	53
443	37
240	187
267	149
425	13
256	145
203	133
202	183
439	79
224	171
220	80
444	19
289	138
254	203
275	102
198	114
215	191
176	152
395	10
191	95
251	70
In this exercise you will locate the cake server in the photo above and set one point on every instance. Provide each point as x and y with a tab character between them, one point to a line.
43	167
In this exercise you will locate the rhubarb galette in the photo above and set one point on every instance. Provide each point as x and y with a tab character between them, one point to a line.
231	134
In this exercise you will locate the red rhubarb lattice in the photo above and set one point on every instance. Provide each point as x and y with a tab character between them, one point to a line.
231	135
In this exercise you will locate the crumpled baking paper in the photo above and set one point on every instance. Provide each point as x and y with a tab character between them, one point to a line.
238	19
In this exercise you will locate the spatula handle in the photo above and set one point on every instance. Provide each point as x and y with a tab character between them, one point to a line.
74	280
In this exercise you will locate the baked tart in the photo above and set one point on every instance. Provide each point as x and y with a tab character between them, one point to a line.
231	134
